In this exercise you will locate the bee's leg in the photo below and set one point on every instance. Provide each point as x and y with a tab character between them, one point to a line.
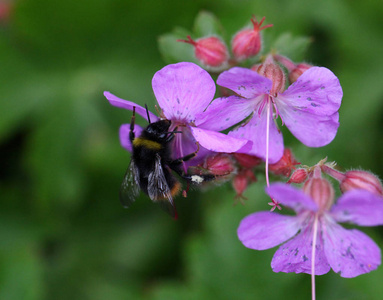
132	121
179	161
171	135
175	165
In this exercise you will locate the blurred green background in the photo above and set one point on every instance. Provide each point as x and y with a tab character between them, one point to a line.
63	232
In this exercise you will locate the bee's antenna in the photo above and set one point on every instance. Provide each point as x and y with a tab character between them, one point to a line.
147	112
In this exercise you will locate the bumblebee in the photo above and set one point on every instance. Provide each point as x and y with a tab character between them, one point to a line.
151	166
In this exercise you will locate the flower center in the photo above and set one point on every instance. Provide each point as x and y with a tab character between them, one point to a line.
321	191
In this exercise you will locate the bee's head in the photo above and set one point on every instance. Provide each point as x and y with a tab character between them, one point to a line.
159	130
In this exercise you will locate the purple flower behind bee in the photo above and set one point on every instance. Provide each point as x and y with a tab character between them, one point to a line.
184	91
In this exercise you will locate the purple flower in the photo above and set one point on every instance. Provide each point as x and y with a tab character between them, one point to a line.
309	108
348	252
183	92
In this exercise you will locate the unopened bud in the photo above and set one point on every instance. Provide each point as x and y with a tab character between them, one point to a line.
247	42
219	165
295	70
255	67
274	72
298	71
5	11
239	185
242	180
285	165
211	51
361	180
321	191
298	176
246	160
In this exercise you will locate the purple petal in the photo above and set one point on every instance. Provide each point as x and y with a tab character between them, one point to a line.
264	230
115	101
350	252
360	207
218	142
183	90
295	255
124	135
244	82
312	130
291	197
255	131
223	113
317	91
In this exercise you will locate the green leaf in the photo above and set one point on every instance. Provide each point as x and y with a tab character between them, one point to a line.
174	51
291	46
207	24
53	156
23	89
21	272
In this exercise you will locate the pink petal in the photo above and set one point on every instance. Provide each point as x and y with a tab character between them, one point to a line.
124	135
264	230
244	82
291	197
219	142
360	207
118	102
183	90
350	252
223	113
316	91
295	255
312	130
255	131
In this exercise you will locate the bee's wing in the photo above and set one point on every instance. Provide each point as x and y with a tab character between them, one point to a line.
158	188
130	187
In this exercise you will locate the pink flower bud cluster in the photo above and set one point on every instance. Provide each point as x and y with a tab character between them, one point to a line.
236	166
245	176
213	53
349	180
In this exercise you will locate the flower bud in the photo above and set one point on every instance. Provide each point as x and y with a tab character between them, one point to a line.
5	11
219	165
211	51
241	181
361	180
274	72
298	176
295	70
321	191
285	165
247	42
247	160
298	71
255	67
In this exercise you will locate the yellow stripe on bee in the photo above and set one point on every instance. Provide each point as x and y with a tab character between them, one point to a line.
140	142
175	189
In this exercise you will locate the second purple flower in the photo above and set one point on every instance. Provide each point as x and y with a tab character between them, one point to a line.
309	107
